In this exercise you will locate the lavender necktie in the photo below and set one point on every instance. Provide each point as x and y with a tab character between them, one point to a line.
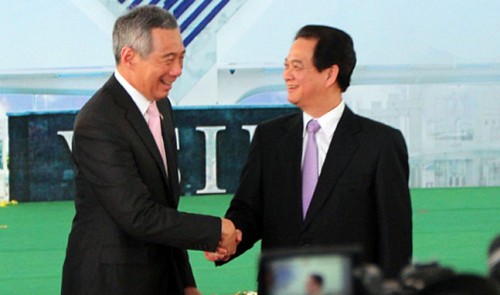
154	124
310	166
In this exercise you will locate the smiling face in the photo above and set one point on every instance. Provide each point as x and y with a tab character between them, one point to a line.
154	74
305	84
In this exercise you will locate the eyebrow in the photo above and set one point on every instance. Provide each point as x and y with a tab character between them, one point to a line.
294	61
173	54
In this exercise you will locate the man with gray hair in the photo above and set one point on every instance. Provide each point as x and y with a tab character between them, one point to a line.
127	236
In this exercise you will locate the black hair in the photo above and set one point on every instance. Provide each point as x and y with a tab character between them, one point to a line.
318	279
334	47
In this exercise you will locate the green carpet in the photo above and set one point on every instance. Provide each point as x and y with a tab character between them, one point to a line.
451	226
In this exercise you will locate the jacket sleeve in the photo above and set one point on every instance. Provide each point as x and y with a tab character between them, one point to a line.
246	207
107	169
394	206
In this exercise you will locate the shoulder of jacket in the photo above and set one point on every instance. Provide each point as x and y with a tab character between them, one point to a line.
374	125
280	121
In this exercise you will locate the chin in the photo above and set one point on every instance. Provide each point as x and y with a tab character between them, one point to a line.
293	100
162	95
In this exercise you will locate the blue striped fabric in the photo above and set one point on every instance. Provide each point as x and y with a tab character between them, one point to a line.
134	4
181	8
168	4
195	14
205	22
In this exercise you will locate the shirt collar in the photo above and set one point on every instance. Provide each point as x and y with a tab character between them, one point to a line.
328	121
139	99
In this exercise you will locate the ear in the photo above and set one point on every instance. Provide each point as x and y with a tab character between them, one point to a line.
127	56
332	74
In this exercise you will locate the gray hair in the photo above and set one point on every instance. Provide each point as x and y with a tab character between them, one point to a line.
134	29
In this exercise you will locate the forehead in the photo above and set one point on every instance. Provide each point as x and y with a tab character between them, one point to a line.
167	40
302	50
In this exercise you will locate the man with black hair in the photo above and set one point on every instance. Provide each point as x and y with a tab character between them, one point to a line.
325	176
314	285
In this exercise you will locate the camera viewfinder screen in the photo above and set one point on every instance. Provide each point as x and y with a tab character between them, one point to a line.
326	274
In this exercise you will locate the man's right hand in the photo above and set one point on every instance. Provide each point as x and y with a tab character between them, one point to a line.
228	239
228	243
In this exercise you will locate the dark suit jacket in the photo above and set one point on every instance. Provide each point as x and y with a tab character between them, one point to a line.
362	196
127	236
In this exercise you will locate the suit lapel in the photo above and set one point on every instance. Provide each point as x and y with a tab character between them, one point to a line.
142	129
290	160
341	149
168	132
136	120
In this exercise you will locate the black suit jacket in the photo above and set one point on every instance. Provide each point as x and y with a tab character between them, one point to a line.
362	196
127	236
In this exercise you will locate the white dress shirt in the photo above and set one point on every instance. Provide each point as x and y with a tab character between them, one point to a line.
140	100
328	123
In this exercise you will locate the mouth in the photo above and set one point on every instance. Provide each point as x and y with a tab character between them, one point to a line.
291	87
166	83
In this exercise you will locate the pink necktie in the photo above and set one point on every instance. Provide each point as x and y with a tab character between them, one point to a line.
154	124
310	166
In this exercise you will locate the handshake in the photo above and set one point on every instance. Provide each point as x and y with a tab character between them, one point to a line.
230	238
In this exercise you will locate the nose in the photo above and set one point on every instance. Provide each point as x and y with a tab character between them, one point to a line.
176	69
287	75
